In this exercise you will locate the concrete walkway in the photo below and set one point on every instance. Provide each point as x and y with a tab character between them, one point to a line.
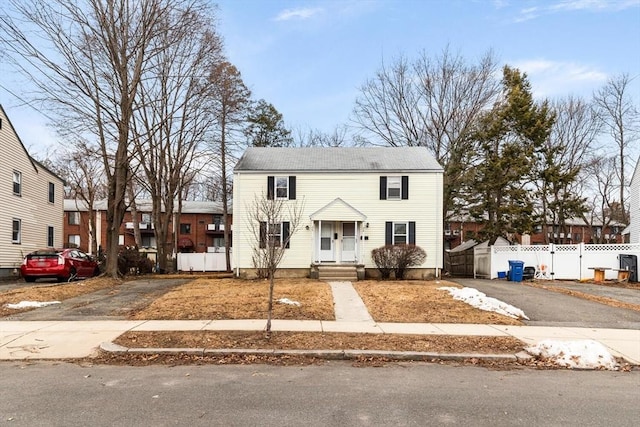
21	340
347	304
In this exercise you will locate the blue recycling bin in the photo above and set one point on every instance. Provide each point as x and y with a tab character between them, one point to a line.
516	271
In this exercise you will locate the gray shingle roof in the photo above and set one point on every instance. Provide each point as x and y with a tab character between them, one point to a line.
359	159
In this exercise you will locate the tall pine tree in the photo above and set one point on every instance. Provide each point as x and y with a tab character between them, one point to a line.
510	137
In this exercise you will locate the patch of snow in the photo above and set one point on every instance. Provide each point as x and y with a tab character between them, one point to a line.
29	304
580	354
289	302
480	300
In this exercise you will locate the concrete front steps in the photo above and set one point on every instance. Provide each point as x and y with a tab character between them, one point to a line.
336	272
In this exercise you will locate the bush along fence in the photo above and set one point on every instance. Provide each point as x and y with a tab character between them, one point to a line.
564	262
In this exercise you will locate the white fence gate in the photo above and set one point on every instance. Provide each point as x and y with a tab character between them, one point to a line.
206	261
570	262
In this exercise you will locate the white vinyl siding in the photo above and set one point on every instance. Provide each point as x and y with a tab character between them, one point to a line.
32	208
634	206
359	190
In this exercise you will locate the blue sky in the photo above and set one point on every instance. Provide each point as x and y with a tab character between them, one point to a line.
308	58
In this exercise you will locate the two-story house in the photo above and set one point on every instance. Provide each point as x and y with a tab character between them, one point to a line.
30	201
353	200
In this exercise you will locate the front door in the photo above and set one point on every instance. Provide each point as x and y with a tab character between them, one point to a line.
348	242
326	242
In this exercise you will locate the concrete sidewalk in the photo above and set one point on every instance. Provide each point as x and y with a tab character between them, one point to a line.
79	339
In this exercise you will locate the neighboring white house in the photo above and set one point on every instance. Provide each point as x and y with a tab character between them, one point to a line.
634	206
31	201
354	199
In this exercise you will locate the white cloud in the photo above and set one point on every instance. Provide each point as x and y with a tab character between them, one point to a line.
555	78
290	14
593	5
576	5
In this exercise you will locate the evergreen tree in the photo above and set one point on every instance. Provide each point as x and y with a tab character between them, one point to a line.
265	127
510	137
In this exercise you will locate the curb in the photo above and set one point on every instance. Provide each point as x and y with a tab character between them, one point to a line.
320	354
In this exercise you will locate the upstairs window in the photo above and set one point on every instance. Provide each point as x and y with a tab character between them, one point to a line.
185	228
74	240
146	218
52	192
281	187
17	183
73	218
394	187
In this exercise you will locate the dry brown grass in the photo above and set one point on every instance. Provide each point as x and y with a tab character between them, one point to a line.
421	302
320	340
53	292
242	299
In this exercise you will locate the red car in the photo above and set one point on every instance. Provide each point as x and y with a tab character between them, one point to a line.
62	264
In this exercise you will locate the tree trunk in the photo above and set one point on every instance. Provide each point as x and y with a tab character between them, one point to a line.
270	304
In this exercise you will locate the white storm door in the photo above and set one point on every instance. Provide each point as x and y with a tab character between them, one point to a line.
326	242
348	242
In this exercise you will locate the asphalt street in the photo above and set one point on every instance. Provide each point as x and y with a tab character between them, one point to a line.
332	394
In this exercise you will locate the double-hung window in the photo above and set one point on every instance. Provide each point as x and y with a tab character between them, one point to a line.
400	233
275	234
281	187
73	217
74	240
185	228
394	187
50	234
16	231
17	183
52	192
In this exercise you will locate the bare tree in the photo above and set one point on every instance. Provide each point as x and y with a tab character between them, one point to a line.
272	224
562	159
229	102
82	169
622	120
603	172
87	64
171	122
430	102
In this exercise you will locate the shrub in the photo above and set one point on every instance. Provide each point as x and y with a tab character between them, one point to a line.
397	258
408	256
385	259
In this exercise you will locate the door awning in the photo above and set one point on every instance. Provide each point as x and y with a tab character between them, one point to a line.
338	210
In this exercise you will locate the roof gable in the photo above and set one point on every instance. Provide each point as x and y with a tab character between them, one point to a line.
337	159
338	209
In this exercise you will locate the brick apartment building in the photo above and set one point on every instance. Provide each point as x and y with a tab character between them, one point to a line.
460	229
200	227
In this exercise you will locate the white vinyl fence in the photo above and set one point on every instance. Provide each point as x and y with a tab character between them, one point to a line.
569	262
206	261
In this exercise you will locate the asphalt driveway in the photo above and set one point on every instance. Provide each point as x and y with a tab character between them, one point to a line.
547	308
106	304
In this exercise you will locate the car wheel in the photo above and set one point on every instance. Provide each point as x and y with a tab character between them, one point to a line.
96	272
29	279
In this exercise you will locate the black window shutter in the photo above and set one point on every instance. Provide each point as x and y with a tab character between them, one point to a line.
388	233
412	232
405	188
270	185
263	234
292	188
285	233
383	188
